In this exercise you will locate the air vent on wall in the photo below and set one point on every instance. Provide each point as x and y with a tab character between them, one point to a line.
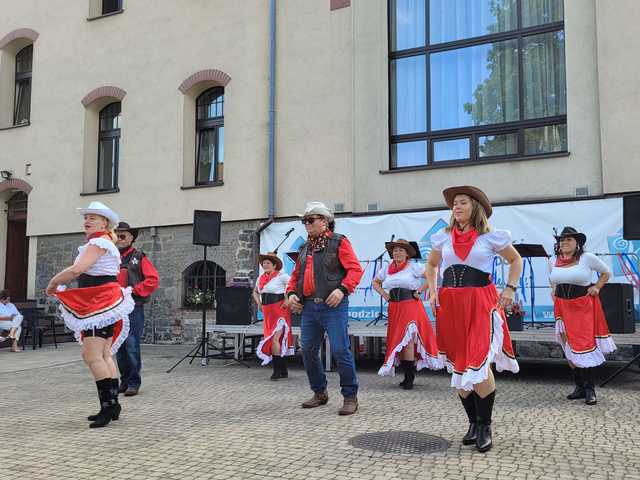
372	207
338	207
582	191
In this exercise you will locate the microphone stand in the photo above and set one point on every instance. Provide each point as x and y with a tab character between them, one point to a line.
381	315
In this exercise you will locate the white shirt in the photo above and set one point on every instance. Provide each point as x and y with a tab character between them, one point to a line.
108	263
410	277
481	255
277	284
8	310
582	273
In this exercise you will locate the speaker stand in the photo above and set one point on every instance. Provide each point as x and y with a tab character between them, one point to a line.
620	370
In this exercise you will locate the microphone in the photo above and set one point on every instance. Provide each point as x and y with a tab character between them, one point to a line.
289	232
392	237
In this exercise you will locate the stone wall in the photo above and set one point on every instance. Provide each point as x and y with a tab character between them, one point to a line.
171	251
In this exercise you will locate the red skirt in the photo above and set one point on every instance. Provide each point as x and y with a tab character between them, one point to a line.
276	319
408	322
472	333
97	307
582	330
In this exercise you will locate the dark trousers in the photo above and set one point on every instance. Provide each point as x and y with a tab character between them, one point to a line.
129	360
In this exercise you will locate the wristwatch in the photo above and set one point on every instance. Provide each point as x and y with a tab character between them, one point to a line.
512	287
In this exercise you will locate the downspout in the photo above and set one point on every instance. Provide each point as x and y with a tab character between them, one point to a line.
272	108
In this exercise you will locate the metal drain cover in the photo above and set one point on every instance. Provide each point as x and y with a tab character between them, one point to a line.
400	442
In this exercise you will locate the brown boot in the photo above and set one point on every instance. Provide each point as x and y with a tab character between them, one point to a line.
349	407
317	400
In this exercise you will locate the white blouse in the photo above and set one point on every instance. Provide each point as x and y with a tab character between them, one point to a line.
410	277
582	273
108	263
277	284
481	255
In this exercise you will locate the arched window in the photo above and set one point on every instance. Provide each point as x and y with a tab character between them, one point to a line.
22	99
199	287
109	146
210	136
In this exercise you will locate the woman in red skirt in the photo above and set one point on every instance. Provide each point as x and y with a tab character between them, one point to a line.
581	327
471	328
97	311
409	331
269	296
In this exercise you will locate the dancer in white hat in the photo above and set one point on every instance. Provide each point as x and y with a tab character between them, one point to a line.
97	311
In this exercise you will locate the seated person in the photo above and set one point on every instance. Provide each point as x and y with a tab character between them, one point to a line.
10	319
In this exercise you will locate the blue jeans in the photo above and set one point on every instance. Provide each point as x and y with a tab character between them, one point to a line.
318	318
129	361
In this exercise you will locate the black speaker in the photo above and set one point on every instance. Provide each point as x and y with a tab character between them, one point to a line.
206	227
617	303
631	217
233	306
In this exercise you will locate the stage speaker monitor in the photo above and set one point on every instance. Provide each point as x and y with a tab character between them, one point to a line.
631	217
233	306
617	303
206	227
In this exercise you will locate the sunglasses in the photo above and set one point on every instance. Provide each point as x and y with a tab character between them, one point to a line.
310	220
122	237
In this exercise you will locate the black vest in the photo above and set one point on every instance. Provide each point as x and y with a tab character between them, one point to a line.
133	263
328	272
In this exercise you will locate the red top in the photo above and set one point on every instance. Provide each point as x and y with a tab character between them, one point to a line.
348	260
151	277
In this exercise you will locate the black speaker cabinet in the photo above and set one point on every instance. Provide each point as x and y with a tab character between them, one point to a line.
617	302
233	306
631	217
206	227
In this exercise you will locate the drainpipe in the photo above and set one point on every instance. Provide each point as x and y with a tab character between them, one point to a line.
272	108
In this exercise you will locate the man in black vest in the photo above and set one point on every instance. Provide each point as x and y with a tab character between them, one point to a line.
137	272
326	272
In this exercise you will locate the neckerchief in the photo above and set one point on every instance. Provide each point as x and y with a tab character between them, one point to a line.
395	268
266	278
463	242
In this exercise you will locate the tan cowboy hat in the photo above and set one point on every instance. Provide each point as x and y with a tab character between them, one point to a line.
474	192
272	257
411	248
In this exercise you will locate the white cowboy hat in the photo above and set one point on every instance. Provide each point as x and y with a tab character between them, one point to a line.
317	208
100	208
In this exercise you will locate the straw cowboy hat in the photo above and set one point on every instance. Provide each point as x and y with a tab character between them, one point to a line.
474	192
99	208
125	227
411	248
272	257
581	238
317	208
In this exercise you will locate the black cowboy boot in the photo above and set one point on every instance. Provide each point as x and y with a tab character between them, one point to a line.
275	360
409	368
589	387
117	408
284	372
107	403
578	392
469	405
484	410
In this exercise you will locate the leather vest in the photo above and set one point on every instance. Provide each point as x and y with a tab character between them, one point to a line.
133	263
328	272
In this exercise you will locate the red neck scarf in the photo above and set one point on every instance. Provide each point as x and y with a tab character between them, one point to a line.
463	242
395	268
97	235
266	278
563	262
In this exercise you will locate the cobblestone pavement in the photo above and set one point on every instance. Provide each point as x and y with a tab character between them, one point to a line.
230	422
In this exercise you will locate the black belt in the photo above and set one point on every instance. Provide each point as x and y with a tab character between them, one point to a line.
270	298
465	276
400	294
569	291
85	280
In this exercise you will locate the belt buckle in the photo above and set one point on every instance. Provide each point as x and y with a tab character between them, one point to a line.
317	300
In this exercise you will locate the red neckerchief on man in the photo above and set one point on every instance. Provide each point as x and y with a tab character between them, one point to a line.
463	242
395	267
266	278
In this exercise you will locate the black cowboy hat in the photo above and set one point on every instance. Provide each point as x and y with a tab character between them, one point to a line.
412	249
125	227
581	238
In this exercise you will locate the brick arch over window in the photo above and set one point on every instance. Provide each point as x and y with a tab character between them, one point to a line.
101	92
21	33
15	184
218	77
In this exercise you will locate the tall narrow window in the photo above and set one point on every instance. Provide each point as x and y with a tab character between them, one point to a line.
110	6
109	147
22	102
476	80
210	136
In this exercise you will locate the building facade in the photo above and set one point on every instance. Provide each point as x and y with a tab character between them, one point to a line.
158	108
